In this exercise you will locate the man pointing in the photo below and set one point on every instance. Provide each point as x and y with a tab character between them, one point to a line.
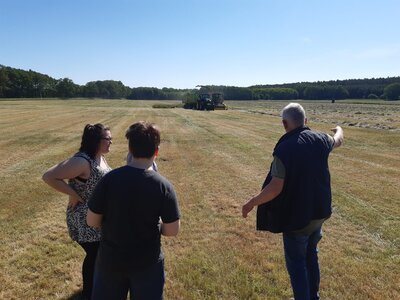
296	197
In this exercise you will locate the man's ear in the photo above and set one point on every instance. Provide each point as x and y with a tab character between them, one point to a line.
156	152
305	121
285	124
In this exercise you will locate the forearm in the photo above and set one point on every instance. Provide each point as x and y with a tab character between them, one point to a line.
338	136
270	192
267	194
60	185
71	168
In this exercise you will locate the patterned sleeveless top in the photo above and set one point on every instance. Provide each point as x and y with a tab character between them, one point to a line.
76	217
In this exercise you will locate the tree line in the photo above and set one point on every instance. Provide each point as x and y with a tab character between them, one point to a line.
17	83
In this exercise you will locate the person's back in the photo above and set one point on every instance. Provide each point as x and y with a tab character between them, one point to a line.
296	197
134	205
306	194
133	200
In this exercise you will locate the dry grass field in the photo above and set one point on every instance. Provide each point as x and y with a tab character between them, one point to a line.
215	160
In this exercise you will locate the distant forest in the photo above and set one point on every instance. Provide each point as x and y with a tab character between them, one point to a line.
17	83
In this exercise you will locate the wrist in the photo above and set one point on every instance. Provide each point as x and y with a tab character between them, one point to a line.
252	202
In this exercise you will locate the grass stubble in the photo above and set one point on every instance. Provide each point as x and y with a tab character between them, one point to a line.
215	160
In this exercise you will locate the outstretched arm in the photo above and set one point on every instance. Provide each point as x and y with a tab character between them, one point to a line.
338	136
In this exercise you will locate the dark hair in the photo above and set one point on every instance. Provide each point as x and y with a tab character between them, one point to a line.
144	139
91	138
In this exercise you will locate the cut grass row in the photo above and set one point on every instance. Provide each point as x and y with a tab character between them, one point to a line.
216	160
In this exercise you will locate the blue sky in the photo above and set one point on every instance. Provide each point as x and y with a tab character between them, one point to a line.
184	43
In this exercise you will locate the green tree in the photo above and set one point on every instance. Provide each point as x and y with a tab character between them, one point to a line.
392	91
237	93
283	93
3	82
147	93
372	96
91	90
66	88
313	92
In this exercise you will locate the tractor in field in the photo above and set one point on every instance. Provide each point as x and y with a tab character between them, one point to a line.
205	101
218	101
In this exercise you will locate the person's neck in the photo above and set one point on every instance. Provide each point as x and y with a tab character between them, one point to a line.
293	127
97	157
141	163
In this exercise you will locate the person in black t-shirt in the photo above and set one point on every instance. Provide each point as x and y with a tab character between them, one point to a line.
134	205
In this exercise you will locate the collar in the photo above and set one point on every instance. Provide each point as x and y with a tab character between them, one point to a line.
287	135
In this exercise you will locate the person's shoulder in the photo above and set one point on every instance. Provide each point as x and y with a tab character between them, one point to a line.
284	144
317	133
160	178
114	173
82	158
156	175
79	158
322	135
82	155
325	138
117	171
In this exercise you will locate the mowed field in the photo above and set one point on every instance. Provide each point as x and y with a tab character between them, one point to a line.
216	161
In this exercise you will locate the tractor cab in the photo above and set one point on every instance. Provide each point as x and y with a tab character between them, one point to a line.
205	102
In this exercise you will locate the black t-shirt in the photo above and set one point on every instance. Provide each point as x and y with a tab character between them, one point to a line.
132	201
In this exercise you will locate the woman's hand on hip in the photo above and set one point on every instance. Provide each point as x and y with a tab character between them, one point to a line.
74	201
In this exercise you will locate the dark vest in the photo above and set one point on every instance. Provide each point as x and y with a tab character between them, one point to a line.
306	193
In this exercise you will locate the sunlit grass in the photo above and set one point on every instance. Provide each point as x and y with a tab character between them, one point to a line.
215	160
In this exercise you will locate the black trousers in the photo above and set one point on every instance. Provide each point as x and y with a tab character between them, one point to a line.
89	262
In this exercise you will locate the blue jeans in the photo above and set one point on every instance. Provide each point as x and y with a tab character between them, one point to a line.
146	284
301	255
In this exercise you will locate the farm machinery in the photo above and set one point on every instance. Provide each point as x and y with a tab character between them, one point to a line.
206	101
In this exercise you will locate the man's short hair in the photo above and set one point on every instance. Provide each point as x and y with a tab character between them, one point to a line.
144	139
294	113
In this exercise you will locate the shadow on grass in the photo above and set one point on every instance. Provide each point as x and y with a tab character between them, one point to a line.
76	296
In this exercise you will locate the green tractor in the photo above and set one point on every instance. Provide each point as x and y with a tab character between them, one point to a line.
205	101
218	101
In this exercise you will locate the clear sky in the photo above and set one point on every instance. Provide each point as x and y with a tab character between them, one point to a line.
184	43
